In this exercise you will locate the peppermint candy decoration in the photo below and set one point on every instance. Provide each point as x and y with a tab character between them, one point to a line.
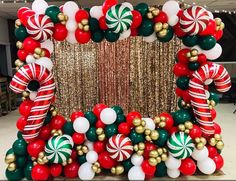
180	145
58	149
194	20
40	27
120	147
119	18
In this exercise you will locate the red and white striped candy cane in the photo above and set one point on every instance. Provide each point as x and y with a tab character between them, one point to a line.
201	109
44	96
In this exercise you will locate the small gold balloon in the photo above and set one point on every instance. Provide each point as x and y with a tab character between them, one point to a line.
152	161
203	140
217	137
10	158
36	56
163	118
158	27
151	9
38	51
139	129
61	17
19	45
137	122
85	149
153	154
53	131
162	124
18	22
155	12
222	26
54	113
159	151
41	154
136	148
94	168
162	33
84	21
150	15
69	161
194	52
35	163
140	152
157	119
158	159
164	157
63	22
187	131
220	145
86	28
218	21
154	135
113	170
45	159
197	140
148	138
40	161
188	54
25	94
43	53
99	170
164	150
212	142
101	137
80	26
66	17
181	127
80	152
119	170
188	125
147	132
143	123
11	167
165	26
141	146
59	132
193	58
64	163
99	131
200	146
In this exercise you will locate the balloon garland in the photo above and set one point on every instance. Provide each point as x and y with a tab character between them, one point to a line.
104	138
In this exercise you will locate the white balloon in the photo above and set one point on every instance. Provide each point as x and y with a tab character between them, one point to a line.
151	38
172	163
171	8
71	38
173	173
108	116
206	166
81	125
213	53
71	25
125	34
173	20
128	5
92	156
89	144
70	8
149	123
208	81
48	44
85	171
200	154
136	173
96	12
46	62
30	59
33	95
136	159
39	6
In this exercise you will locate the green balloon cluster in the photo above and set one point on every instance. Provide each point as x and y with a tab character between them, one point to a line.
20	147
190	41
136	137
127	164
142	8
120	118
52	12
97	36
111	130
163	137
21	161
91	117
168	37
146	28
21	33
68	128
193	65
91	134
207	42
17	174
120	114
111	36
161	170
214	97
181	116
118	109
93	24
182	82
82	159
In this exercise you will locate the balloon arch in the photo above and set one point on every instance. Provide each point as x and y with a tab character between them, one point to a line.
104	138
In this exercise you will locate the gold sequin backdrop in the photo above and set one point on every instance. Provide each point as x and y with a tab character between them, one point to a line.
131	73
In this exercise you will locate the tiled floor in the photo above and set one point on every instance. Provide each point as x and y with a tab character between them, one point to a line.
225	117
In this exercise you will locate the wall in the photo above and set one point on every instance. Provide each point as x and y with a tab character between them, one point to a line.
4	35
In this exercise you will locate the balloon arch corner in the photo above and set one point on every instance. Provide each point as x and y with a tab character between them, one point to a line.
104	139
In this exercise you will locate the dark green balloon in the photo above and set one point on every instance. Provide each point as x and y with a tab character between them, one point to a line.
33	85
47	118
21	33
111	36
168	37
91	134
146	28
207	42
142	8
182	82
118	109
161	170
120	118
52	12
111	130
17	174
163	137
68	128
181	116
87	9
93	24
214	97
97	36
190	41
10	151
27	170
91	117
127	165
193	65
19	135
20	147
82	159
136	137
21	161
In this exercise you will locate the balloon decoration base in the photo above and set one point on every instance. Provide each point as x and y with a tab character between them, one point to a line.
104	139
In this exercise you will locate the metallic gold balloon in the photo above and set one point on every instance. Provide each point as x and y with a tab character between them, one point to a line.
80	26
220	145
181	127
158	27
147	132
119	170
137	122
162	124
141	146
11	167
99	131
10	158
153	154
158	159
139	129
200	146
162	33
154	135
84	21
155	12
38	51
61	16
152	161
86	28
160	151
218	137
157	119
212	142
19	45
150	15
101	137
164	157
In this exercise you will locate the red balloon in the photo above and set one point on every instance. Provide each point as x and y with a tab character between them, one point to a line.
178	30
60	32
148	147
124	128
137	19
22	54
182	55
102	23
30	44
195	132
186	96
45	133
147	168
149	177
74	155
35	147
187	167
179	92
173	130
131	116
47	53
71	170
25	16
57	122
99	146
212	151
202	58
78	138
219	161
134	32
100	124
25	108
76	115
217	128
108	4
218	34
169	120
21	122
213	113
161	17
106	161
82	36
181	69
97	109
81	14
55	170
210	29
40	172
21	11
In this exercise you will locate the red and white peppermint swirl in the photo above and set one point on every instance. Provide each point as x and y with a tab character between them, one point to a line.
194	20
40	27
120	147
201	109
44	96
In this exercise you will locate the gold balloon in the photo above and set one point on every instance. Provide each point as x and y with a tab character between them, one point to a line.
84	21
86	28
54	113
137	122
36	56
212	142
203	140
200	146
63	22
113	170
25	94
140	152
11	167
164	150
193	58
150	15
154	135
80	26
218	21
10	158
101	137
194	52
181	127
162	124
165	26
140	129
64	163
136	148
188	125
143	123
217	137
151	9
160	151
141	146
85	149
69	161
148	138
152	161
147	132
153	154
222	26
155	12
187	131
164	157
99	131
197	140
158	159
38	51
119	170
61	16
162	33
94	168
220	145
157	119
158	27
18	22
41	154
19	45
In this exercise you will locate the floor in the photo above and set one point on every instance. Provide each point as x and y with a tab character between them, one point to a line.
225	117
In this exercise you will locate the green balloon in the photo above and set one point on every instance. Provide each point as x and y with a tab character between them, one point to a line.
111	130
47	118
82	159
91	117
163	137
17	174
142	8
21	161
97	36
118	109
19	135
127	164
181	116
52	12
168	37
207	42
214	97
193	65
91	134
68	128
93	24
20	147
33	85
21	33
146	28
182	82
136	137
120	118
87	9
111	36
161	170
190	41
27	170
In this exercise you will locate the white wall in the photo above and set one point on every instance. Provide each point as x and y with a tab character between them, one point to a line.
4	37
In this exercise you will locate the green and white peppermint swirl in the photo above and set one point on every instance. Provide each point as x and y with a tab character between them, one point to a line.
180	145
58	149
119	18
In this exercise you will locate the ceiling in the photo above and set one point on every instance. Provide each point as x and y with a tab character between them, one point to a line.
9	9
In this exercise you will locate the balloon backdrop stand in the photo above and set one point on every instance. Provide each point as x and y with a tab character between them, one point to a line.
105	139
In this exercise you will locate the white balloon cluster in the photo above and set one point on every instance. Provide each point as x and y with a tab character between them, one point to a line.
96	12
81	125
108	116
39	6
149	123
171	8
136	172
173	165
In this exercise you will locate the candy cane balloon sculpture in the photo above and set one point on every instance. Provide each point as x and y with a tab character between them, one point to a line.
44	96
201	109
